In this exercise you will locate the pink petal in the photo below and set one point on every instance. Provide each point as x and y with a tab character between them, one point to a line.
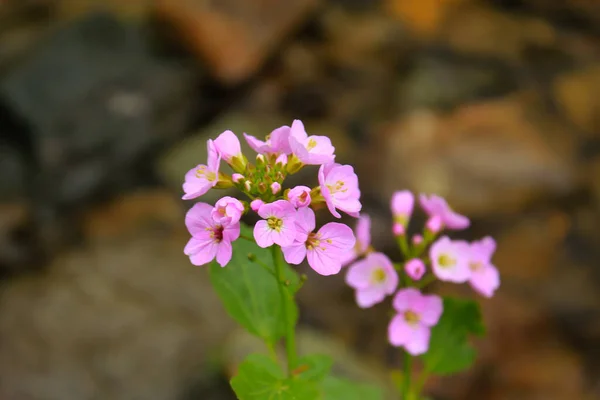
348	257
286	235
405	299
195	186
280	140
263	234
231	232
458	250
429	308
418	342
453	220
257	145
486	281
297	131
198	218
224	252
359	275
349	206
323	262
336	236
305	219
415	268
399	332
205	254
402	203
295	253
366	298
228	145
363	232
214	158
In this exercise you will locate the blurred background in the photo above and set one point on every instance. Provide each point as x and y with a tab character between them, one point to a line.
104	105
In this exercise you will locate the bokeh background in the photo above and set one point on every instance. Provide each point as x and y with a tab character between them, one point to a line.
105	104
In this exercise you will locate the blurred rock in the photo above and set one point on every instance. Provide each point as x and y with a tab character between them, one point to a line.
125	316
94	100
234	37
422	16
489	158
575	93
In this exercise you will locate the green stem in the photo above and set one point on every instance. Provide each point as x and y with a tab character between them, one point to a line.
290	339
406	389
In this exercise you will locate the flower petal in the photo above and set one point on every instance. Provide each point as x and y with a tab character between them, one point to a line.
418	342
399	332
366	298
405	299
224	252
263	234
295	253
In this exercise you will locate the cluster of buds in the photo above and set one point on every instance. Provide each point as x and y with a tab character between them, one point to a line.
288	219
428	257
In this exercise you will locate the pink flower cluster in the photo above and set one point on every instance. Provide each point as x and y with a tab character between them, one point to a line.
287	216
374	276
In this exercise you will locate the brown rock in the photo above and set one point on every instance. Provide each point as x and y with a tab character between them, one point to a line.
234	37
487	158
422	16
576	93
123	317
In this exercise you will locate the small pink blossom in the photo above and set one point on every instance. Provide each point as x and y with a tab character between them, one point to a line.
450	260
202	178
209	239
275	187
278	225
417	313
299	196
402	204
282	160
485	278
363	240
434	224
437	206
417	239
278	142
228	146
339	188
255	204
228	210
415	268
310	150
324	248
373	278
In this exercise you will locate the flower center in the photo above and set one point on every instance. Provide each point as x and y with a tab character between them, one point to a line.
378	275
337	187
476	266
275	223
312	241
303	196
411	317
222	211
201	172
446	261
216	233
311	144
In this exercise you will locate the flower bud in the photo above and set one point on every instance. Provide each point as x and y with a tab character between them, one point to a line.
260	160
417	239
398	229
415	268
248	185
275	187
282	160
294	165
299	196
237	177
434	224
255	204
262	188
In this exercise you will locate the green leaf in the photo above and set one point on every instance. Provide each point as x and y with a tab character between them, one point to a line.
343	389
260	378
313	367
449	348
249	290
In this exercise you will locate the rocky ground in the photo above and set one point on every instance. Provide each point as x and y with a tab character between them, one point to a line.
105	104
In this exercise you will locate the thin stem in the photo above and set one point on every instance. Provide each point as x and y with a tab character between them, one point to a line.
406	389
425	281
248	238
290	334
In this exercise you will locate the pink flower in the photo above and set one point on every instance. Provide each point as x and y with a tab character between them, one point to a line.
434	224
373	278
237	178
402	204
417	313
278	225
202	178
415	268
363	240
311	150
228	146
398	229
299	196
417	239
228	210
450	260
324	248
485	278
437	206
282	160
278	142
209	239
339	187
255	204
